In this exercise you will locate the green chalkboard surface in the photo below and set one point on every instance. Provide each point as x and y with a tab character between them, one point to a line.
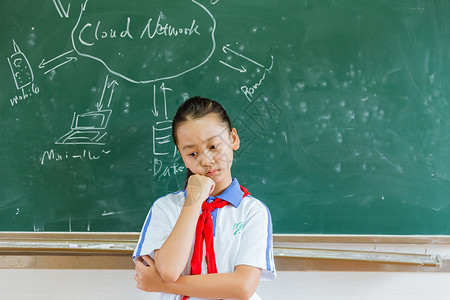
342	107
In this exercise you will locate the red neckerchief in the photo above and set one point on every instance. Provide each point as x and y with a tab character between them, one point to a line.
204	231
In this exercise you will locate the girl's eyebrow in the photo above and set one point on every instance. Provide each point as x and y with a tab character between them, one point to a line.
187	146
192	146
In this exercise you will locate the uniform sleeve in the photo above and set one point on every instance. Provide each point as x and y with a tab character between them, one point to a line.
155	232
256	247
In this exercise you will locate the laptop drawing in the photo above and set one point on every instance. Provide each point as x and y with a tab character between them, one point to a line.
87	128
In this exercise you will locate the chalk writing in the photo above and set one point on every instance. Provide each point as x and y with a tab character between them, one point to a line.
85	35
88	35
161	170
249	92
52	155
24	95
167	30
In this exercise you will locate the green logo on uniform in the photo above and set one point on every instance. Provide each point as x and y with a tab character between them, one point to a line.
238	227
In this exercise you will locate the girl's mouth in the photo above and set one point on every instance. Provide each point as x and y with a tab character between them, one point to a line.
212	172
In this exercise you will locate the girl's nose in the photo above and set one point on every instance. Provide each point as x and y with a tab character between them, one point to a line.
207	159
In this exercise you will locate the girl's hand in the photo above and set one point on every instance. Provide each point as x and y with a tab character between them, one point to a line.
198	189
147	277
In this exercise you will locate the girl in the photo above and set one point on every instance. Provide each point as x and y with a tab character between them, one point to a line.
225	251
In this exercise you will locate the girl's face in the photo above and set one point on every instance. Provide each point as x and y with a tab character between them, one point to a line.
206	147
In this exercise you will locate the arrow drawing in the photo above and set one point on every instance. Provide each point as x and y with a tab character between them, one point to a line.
242	69
110	87
44	63
154	109
163	88
61	11
225	49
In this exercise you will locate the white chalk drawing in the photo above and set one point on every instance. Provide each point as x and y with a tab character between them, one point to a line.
90	128
20	68
163	88
160	30
64	13
59	60
87	128
249	91
241	69
162	139
162	130
108	88
23	75
154	109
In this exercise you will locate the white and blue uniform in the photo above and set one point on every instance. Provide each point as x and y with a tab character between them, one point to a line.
242	233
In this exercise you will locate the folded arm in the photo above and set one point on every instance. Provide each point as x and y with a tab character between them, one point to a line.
241	284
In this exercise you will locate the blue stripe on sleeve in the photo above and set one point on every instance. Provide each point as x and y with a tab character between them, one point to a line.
147	223
144	232
269	240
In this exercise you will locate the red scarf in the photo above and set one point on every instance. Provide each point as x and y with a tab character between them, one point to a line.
205	231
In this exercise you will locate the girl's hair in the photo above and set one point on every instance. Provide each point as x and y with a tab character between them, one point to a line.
196	108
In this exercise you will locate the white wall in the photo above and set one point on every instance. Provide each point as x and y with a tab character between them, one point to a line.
119	284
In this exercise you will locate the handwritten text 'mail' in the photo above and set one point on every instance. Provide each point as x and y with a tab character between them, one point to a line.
52	155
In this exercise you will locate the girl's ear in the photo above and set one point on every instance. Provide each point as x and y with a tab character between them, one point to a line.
235	142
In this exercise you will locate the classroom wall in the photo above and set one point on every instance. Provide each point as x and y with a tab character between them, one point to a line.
119	284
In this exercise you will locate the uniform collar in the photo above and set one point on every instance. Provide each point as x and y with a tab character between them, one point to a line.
232	194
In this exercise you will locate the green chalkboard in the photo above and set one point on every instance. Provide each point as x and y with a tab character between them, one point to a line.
342	107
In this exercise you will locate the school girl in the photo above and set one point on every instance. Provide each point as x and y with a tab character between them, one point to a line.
212	240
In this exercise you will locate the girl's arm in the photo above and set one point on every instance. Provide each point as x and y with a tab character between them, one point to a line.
172	257
241	284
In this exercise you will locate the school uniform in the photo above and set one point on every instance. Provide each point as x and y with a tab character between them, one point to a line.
242	233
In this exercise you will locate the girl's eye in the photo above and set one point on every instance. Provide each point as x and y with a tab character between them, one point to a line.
213	147
193	154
